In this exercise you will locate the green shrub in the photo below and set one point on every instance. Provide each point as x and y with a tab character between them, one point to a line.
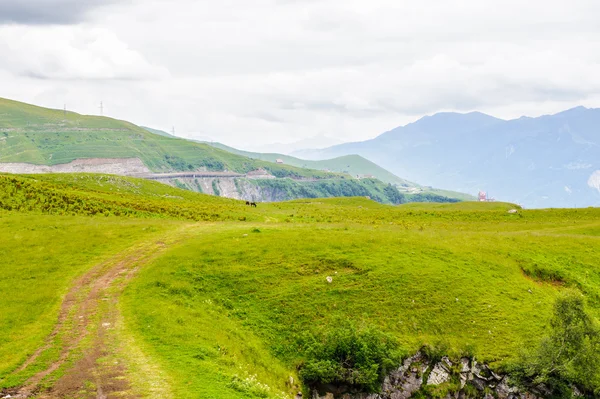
569	355
349	356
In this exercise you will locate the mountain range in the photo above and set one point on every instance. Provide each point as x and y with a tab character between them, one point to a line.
41	140
548	161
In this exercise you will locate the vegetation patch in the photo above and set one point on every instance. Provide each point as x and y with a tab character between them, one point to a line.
349	358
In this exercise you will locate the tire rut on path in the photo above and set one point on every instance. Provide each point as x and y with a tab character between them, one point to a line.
86	334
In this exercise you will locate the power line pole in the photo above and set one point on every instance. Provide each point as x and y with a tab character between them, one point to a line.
101	109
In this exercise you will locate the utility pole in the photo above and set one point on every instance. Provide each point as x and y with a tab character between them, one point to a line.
101	109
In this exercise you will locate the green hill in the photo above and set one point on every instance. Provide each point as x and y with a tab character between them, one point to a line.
43	136
35	135
354	165
132	288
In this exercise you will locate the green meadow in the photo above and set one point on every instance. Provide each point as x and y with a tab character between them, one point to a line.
41	255
225	311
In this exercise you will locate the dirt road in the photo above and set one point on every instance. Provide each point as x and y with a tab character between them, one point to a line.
94	352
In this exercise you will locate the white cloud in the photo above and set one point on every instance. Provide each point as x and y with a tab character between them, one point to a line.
594	180
72	53
282	70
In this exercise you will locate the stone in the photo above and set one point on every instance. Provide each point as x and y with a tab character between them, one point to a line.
465	372
439	374
464	365
504	391
329	279
478	383
513	211
406	380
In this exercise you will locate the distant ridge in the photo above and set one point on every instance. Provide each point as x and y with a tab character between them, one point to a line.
353	164
34	136
547	161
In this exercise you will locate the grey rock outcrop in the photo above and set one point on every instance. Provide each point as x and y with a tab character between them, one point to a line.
417	373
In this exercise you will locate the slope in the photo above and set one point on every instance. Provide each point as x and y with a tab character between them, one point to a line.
40	136
547	161
220	309
43	136
352	164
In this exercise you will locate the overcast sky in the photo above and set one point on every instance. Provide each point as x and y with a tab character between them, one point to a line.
254	72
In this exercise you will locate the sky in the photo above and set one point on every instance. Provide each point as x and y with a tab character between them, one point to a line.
252	73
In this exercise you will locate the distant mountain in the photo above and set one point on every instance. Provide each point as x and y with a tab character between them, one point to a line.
41	140
549	161
355	165
319	141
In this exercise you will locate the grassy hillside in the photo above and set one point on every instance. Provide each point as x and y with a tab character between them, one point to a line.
41	255
354	165
48	137
225	304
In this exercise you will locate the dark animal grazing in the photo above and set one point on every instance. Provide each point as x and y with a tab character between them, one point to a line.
253	204
247	202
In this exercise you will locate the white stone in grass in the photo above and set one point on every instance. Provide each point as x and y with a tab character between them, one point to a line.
329	279
439	374
513	211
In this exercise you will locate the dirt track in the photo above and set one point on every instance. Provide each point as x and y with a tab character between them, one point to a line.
91	362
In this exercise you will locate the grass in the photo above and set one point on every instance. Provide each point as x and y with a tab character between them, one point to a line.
41	256
354	165
48	137
221	313
464	288
35	135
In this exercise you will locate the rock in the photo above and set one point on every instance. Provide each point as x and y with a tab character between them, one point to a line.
478	383
328	395
440	373
464	365
513	211
465	372
406	380
504	391
497	377
329	279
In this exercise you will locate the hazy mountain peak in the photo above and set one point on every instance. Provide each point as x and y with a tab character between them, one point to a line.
521	160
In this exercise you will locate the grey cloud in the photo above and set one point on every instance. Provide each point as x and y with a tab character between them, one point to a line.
47	12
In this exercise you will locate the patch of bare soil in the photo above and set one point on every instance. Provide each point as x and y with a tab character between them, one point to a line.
85	334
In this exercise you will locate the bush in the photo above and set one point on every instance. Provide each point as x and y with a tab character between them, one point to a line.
570	355
346	355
